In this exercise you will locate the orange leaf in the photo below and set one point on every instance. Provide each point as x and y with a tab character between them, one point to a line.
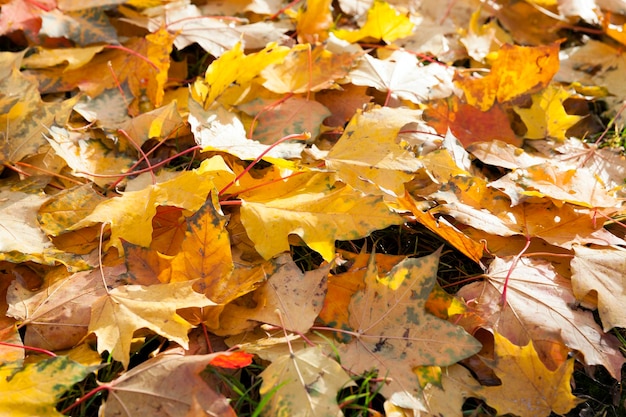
232	360
470	124
517	70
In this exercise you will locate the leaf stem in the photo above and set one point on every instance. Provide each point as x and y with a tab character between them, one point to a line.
34	349
295	136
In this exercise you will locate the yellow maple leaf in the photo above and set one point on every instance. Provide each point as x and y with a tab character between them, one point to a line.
130	215
116	315
368	155
546	118
320	211
35	389
313	23
517	70
383	22
234	67
529	388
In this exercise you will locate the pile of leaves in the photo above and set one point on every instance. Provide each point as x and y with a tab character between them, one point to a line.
165	163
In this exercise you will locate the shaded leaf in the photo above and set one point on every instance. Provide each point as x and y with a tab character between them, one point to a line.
166	385
308	383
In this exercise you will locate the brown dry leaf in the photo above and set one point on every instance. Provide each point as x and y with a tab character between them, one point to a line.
145	72
289	299
540	306
167	385
56	316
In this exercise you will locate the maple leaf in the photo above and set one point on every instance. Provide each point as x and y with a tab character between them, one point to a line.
470	124
116	315
233	67
33	390
130	215
64	209
57	316
84	27
392	331
145	71
320	211
601	270
401	76
289	299
25	116
539	308
221	130
292	116
523	375
307	383
546	118
297	75
205	251
595	64
517	70
367	155
383	22
168	384
314	22
560	182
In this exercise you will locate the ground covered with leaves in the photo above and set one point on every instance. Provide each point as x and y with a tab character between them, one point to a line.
315	208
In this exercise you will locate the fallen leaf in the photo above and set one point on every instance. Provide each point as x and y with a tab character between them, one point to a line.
523	375
116	315
383	23
307	68
546	118
35	388
320	212
368	156
601	270
392	332
540	306
289	299
402	76
169	385
307	382
517	70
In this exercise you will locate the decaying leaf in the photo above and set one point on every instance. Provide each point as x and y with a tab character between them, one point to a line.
307	383
393	333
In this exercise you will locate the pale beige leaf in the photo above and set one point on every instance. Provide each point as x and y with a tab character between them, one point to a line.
309	382
602	271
